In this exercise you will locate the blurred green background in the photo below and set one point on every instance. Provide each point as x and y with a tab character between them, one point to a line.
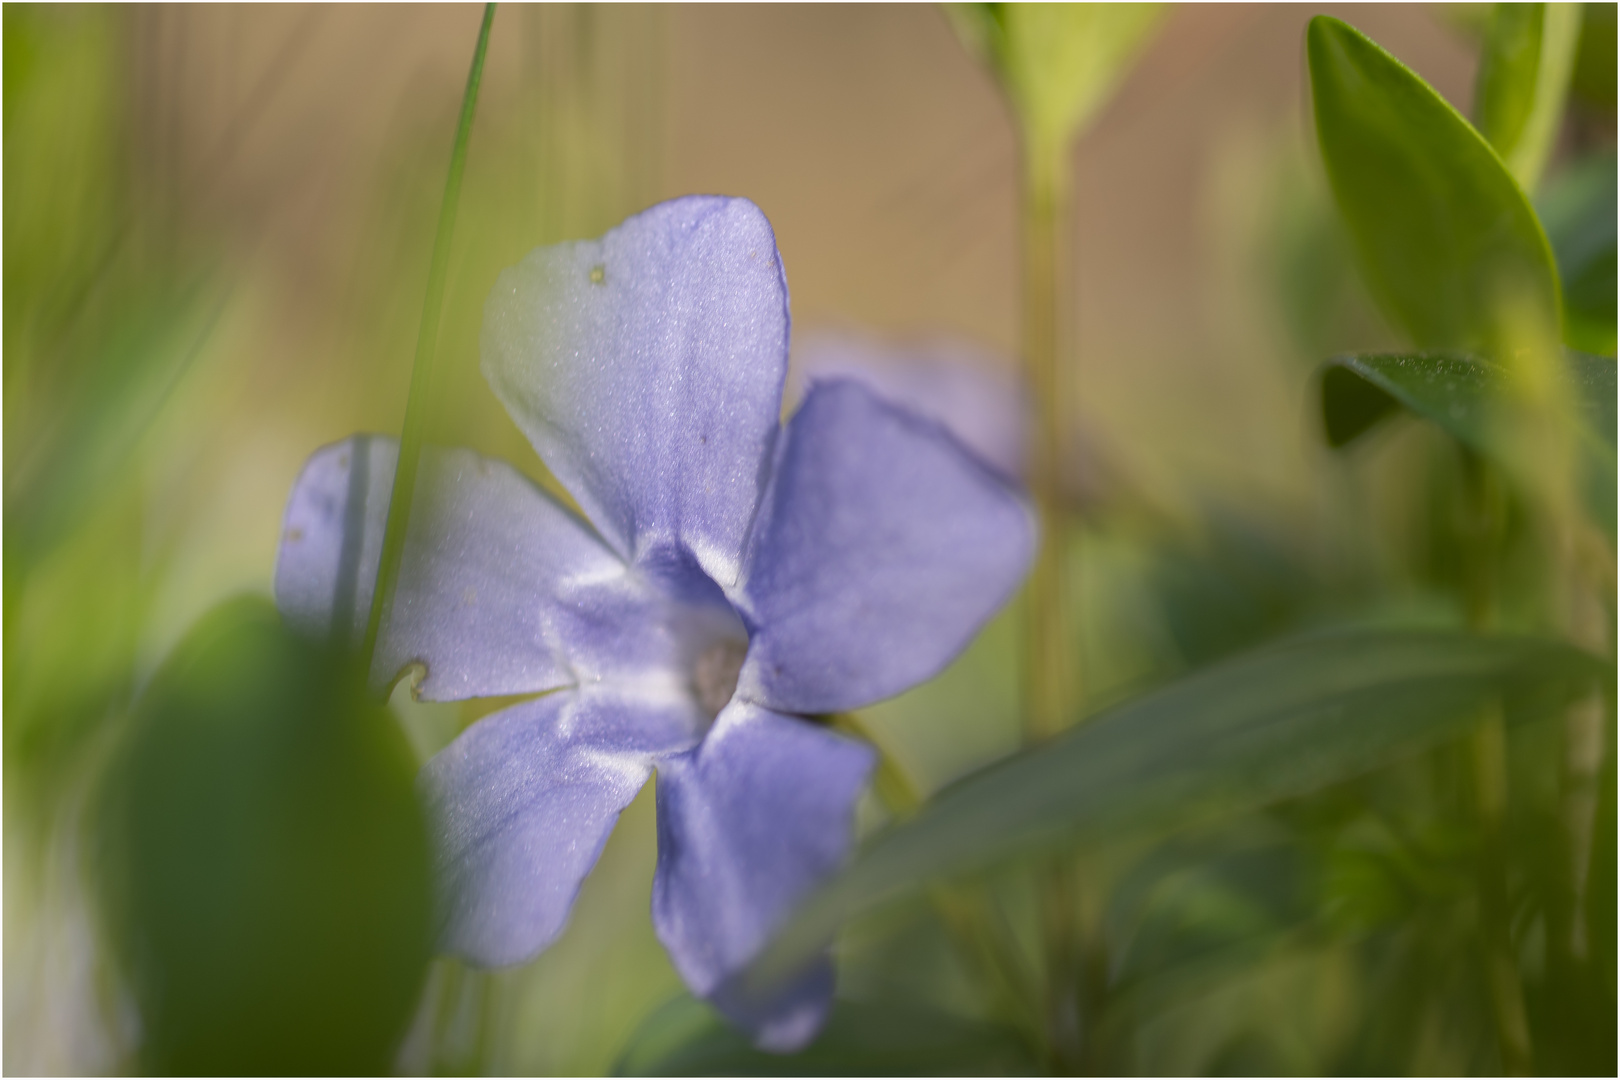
217	229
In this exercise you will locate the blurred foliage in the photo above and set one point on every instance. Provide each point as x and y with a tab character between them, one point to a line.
1593	80
1524	72
1280	846
685	1038
1058	63
1577	208
265	858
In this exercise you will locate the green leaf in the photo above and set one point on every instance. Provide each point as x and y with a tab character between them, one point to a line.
1578	210
686	1038
1272	724
1446	240
1454	390
1594	80
1059	63
1459	393
263	861
1523	79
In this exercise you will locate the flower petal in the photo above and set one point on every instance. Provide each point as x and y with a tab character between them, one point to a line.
881	548
748	823
501	591
978	398
521	803
646	368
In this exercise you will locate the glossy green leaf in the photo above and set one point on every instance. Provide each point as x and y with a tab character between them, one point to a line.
1459	392
1523	79
1446	240
1271	724
686	1038
1057	62
1578	210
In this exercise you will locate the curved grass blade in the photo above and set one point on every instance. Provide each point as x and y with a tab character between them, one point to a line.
1272	724
410	442
1447	242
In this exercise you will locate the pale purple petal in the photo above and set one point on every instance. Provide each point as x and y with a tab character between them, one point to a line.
882	547
646	368
520	805
748	823
977	397
501	591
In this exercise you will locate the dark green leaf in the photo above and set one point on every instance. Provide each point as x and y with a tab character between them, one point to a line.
1446	240
1272	724
686	1038
1453	390
1593	80
1458	393
263	859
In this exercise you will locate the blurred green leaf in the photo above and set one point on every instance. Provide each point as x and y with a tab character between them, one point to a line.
1459	393
1578	210
1271	724
1449	245
686	1038
263	859
1522	82
1594	77
1057	62
1238	581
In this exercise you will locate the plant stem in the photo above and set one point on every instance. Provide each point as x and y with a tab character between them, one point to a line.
1052	651
1050	678
427	338
1483	501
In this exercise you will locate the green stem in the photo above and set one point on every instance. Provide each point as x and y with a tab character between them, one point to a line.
1052	649
427	338
1050	681
1487	749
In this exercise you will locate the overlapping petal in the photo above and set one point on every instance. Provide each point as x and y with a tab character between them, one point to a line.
501	591
881	548
647	368
748	823
977	397
521	804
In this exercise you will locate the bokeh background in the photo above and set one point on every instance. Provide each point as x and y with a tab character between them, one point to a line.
217	229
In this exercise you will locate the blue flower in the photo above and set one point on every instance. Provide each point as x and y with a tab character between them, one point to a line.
737	579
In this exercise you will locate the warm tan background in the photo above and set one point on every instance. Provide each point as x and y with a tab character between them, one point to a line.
879	150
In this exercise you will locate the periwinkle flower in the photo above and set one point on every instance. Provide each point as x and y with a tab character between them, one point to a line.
738	579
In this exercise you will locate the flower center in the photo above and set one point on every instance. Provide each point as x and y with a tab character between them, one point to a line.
714	676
